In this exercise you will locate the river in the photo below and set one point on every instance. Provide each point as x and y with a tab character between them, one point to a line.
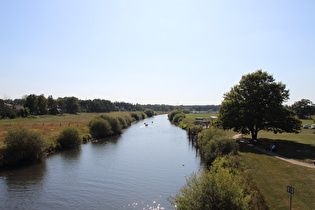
139	169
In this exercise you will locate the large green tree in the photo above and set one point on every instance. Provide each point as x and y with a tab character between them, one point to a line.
255	104
72	105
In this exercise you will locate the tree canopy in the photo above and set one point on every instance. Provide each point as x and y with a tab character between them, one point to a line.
303	108
255	104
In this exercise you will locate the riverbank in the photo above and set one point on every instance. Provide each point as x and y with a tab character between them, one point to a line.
50	128
138	169
272	174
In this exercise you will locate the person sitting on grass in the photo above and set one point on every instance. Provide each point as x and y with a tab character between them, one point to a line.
273	148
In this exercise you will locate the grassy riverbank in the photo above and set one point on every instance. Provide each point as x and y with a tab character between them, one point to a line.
49	125
273	175
50	133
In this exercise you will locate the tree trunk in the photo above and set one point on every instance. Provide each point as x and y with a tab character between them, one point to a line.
254	134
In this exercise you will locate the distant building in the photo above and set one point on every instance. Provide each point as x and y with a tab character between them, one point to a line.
200	112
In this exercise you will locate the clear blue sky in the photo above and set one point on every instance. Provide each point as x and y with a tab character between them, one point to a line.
161	51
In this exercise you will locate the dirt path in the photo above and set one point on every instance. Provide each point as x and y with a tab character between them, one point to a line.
238	136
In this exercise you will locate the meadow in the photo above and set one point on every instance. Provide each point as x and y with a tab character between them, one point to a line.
50	125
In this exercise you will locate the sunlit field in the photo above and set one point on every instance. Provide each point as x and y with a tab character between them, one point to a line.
49	125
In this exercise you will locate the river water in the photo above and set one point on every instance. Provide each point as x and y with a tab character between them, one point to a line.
139	169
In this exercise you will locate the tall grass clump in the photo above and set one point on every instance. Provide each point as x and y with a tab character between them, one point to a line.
22	145
69	138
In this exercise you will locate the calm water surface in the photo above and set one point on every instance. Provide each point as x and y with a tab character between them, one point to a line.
137	170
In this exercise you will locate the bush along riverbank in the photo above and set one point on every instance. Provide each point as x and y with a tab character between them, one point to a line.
224	183
23	145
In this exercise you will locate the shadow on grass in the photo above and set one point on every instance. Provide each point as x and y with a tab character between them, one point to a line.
289	149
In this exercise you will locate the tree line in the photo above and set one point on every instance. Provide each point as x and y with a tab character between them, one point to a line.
39	105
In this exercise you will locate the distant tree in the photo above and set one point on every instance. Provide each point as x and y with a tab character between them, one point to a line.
61	103
2	109
42	104
24	112
52	105
303	108
256	104
32	103
72	105
149	112
85	105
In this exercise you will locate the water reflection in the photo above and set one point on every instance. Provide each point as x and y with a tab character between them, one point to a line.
22	185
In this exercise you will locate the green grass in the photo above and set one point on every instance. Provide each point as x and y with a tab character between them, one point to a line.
296	146
273	176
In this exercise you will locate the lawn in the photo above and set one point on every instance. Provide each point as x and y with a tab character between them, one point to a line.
296	146
273	176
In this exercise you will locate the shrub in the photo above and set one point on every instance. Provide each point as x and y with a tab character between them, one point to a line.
69	138
222	187
149	112
138	116
86	137
23	145
195	129
173	113
143	115
116	127
123	122
218	148
178	117
128	119
100	128
208	135
214	143
135	116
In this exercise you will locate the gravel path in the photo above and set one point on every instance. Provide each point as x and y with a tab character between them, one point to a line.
238	136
